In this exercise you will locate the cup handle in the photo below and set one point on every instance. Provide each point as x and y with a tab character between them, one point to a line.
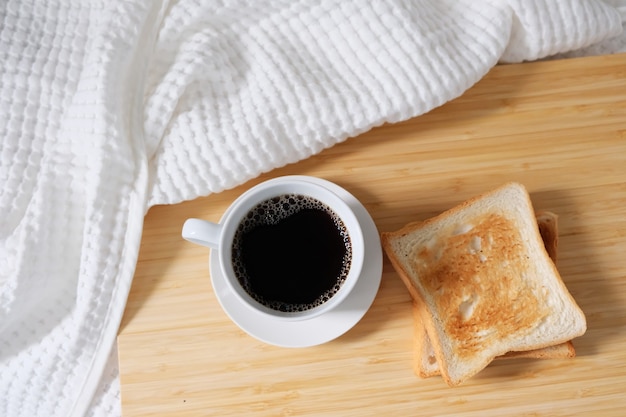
202	232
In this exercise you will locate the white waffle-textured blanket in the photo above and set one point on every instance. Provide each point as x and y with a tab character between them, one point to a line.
110	107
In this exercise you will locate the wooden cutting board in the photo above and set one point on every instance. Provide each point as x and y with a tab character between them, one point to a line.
558	127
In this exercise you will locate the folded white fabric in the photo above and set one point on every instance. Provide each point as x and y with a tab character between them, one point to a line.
107	108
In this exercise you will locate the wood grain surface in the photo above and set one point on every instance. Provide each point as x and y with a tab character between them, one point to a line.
558	127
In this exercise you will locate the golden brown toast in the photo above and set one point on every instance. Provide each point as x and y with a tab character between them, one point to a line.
483	282
425	362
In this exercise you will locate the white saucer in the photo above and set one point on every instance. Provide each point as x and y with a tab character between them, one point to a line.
322	328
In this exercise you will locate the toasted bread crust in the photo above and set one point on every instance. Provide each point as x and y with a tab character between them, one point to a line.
559	351
549	231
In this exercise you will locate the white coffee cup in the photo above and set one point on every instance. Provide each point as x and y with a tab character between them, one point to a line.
220	237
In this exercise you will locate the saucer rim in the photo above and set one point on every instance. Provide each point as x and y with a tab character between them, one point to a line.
327	326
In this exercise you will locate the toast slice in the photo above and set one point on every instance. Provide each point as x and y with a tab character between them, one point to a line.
483	282
425	362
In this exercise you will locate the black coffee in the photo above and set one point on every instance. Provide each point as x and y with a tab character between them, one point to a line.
291	253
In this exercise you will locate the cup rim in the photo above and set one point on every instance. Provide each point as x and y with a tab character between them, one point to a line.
287	185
